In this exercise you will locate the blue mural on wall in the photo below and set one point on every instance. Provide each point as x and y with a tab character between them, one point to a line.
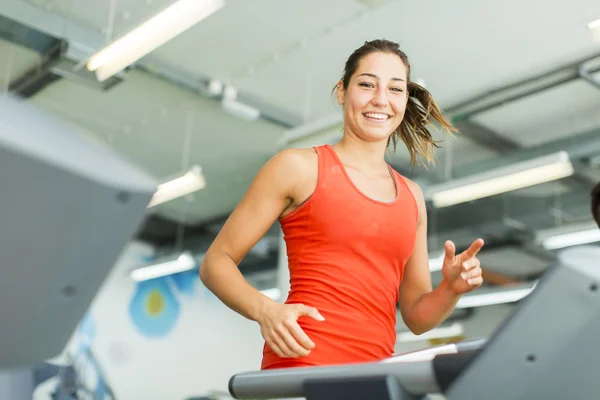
154	308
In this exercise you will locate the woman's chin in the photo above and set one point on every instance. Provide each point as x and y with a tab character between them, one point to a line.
374	137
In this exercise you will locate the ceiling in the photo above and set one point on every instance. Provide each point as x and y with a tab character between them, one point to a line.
495	67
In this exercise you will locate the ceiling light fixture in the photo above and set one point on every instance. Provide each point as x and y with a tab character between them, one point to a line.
185	262
190	182
594	28
142	40
501	180
569	239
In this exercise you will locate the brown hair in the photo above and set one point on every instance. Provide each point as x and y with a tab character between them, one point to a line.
421	109
596	204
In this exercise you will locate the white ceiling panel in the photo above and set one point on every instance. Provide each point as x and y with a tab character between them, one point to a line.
97	14
458	49
247	34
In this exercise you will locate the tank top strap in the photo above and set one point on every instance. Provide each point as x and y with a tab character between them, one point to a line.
327	163
326	159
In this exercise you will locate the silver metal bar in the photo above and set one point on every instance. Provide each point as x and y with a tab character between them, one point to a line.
416	377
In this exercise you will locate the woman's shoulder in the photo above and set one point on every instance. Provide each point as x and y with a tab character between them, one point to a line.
298	156
297	162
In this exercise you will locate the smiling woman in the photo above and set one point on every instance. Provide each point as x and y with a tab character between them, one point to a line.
405	107
355	229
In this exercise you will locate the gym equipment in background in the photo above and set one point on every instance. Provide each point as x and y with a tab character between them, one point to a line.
69	206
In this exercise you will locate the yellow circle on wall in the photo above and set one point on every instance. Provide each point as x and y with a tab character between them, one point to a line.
155	303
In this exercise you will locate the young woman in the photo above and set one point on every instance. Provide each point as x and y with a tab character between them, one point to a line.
355	229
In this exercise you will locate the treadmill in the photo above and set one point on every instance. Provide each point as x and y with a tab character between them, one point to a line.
69	206
548	348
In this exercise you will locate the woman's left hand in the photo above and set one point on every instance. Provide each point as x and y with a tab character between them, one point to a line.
462	272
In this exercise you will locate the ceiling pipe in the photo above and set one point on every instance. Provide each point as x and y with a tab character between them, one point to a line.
521	89
587	76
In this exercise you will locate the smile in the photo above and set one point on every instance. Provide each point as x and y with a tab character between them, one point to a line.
377	116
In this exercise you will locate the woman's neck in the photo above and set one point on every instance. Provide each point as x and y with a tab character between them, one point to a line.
360	153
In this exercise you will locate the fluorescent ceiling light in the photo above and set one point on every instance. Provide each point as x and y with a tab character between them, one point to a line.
503	296
164	26
191	181
594	28
453	330
568	235
185	262
501	180
572	239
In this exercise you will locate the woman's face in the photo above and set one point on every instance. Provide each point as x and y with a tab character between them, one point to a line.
375	100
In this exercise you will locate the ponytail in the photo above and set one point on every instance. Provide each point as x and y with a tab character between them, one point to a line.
421	111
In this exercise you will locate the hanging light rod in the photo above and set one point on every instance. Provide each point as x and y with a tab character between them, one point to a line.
192	181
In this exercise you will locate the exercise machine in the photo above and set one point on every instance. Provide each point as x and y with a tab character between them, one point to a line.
546	349
69	207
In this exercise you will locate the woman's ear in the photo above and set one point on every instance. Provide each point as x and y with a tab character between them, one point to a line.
340	92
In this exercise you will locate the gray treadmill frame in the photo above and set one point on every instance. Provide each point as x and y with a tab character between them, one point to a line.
546	348
69	206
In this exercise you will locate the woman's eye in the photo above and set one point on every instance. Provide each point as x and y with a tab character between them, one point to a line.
366	84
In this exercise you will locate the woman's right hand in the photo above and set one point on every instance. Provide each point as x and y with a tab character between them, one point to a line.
279	327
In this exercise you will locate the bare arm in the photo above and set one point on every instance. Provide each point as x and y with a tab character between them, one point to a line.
422	308
270	194
267	197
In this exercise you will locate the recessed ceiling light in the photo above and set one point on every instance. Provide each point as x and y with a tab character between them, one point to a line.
594	27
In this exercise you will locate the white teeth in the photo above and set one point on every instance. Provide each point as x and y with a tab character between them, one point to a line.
377	116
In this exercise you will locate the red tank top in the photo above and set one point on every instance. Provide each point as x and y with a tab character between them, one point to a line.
346	255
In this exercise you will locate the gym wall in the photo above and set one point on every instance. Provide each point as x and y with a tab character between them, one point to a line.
169	330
